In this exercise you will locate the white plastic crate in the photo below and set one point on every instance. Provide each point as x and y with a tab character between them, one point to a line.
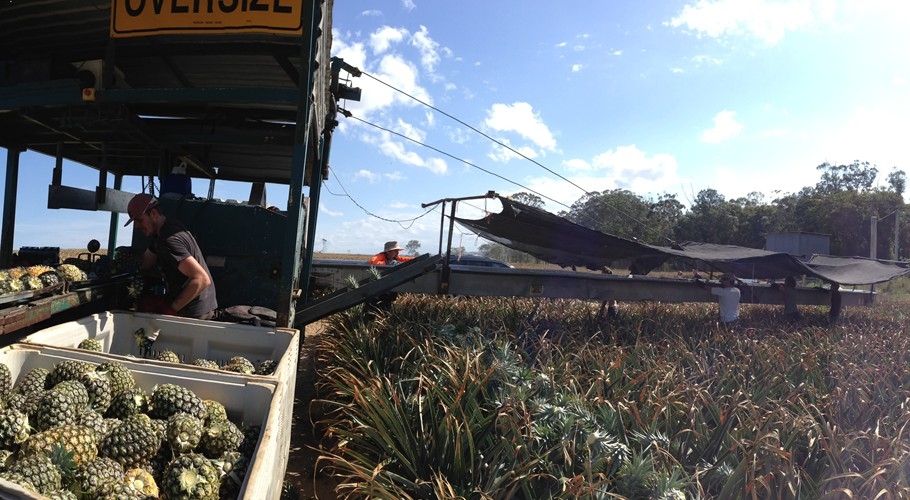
189	338
252	400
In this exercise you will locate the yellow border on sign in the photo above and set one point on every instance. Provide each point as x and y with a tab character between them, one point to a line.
195	17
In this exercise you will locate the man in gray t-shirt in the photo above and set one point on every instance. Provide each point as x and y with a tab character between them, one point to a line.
190	290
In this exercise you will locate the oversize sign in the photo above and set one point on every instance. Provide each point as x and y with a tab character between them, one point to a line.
172	17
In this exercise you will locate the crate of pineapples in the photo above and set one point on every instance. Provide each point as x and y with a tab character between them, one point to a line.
22	282
100	427
209	345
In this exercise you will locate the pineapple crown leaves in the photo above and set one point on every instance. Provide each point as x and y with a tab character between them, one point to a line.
63	459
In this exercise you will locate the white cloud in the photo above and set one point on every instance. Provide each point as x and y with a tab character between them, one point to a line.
370	177
409	5
617	52
633	169
725	127
702	59
521	119
576	165
371	13
577	67
505	154
625	167
399	151
429	57
676	70
383	38
766	20
324	210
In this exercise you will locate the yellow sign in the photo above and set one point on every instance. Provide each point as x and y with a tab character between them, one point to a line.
201	17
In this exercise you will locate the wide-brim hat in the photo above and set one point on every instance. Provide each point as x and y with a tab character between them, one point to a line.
140	204
392	245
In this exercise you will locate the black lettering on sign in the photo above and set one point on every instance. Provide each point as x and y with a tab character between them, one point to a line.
227	5
131	11
176	8
256	5
282	9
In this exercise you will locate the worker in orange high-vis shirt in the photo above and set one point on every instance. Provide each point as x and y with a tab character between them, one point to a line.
389	256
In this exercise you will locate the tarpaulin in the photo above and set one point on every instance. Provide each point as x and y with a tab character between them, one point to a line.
559	241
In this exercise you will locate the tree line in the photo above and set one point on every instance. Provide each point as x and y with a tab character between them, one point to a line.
841	204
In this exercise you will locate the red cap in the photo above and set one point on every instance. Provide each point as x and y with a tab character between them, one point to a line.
140	204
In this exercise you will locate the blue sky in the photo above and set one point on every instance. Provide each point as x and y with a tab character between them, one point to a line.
652	96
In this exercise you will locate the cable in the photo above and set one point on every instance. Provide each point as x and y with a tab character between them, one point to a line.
399	134
400	222
501	144
466	162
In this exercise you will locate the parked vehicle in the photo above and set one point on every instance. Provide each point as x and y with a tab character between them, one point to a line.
478	261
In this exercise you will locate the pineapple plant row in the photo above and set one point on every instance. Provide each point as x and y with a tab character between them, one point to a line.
88	431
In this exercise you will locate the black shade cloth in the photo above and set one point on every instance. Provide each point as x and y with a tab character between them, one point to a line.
559	241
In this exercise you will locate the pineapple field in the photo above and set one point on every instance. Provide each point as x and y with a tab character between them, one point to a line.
439	397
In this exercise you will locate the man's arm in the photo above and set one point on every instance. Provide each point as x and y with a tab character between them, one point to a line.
197	280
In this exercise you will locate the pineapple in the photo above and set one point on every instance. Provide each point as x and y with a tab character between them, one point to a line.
250	439
6	382
36	271
168	356
90	475
239	364
34	380
60	404
31	283
220	437
232	466
69	369
26	403
120	376
118	490
142	482
190	476
135	287
14	428
14	286
91	344
184	432
16	273
6	458
39	470
267	367
132	401
132	443
98	386
61	495
216	411
50	278
80	441
168	399
206	363
126	260
93	420
71	273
